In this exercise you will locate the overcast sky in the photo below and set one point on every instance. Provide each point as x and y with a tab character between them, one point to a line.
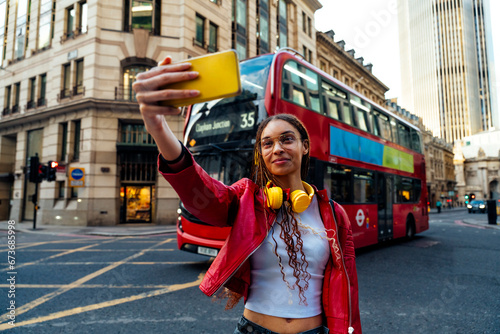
370	27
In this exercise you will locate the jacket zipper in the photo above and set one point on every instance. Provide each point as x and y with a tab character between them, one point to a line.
350	329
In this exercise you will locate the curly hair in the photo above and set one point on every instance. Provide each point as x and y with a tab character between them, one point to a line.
290	232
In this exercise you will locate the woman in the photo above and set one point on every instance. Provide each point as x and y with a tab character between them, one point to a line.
288	255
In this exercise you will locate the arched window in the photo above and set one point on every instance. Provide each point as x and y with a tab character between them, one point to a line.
131	67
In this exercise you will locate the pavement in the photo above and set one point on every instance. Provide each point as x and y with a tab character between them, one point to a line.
120	230
123	230
477	219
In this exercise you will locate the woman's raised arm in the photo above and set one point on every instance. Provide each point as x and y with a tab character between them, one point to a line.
148	94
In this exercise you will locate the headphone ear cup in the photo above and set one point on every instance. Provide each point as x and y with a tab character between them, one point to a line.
274	197
300	201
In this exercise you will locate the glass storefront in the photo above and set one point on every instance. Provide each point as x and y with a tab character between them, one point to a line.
136	203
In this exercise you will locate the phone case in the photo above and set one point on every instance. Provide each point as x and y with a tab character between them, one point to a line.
219	77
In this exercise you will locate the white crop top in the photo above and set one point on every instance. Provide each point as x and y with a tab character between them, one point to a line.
268	293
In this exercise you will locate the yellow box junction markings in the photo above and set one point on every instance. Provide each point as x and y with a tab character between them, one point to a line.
80	283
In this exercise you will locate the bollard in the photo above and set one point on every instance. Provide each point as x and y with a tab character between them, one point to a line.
492	212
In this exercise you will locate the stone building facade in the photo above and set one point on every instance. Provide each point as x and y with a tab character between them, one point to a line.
477	165
65	94
343	65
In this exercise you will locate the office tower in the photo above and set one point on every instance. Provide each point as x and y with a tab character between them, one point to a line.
447	65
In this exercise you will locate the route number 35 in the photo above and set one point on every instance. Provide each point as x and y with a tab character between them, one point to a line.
247	120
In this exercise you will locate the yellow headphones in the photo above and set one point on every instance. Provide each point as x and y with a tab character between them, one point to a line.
299	199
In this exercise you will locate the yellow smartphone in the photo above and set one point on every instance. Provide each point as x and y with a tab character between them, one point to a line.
219	77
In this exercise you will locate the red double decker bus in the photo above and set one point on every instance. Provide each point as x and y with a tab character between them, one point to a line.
368	159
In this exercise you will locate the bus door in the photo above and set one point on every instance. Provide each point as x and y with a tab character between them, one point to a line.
385	188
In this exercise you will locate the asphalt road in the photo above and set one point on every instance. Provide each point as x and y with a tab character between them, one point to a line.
444	281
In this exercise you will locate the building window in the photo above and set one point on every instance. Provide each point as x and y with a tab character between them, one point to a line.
74	192
17	95
212	37
307	54
66	81
304	28
4	20
64	140
263	27
282	25
309	24
79	89
77	126
31	94
200	31
143	15
46	23
22	28
239	38
6	106
82	17
70	22
43	88
135	134
129	76
60	189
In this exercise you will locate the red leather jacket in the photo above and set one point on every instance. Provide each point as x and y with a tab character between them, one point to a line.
241	206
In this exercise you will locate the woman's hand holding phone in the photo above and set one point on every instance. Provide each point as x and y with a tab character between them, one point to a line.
148	95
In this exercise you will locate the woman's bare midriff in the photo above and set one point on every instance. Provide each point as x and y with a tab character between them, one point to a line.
284	325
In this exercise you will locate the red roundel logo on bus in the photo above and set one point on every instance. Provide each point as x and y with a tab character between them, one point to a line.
360	217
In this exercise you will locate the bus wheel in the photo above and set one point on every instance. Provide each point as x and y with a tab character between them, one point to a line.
410	228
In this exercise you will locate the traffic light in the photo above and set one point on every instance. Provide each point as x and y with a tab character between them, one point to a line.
466	199
42	172
51	170
34	169
472	196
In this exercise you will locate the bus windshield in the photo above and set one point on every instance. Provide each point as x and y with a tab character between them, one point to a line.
233	119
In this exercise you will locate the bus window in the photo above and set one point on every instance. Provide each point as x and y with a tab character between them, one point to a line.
394	129
333	99
338	181
362	121
415	141
333	109
301	86
375	125
299	97
407	190
417	190
404	190
364	191
346	115
315	102
383	125
404	135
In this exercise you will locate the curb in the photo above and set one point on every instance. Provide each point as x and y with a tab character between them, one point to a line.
481	224
120	232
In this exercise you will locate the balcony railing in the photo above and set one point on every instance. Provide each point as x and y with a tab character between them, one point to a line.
70	92
125	93
30	105
15	108
79	90
6	111
41	102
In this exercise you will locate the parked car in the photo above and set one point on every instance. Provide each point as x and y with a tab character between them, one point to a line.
477	206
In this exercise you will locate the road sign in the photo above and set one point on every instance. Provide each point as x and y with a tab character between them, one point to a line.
77	177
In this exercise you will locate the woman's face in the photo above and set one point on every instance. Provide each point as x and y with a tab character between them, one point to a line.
282	149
